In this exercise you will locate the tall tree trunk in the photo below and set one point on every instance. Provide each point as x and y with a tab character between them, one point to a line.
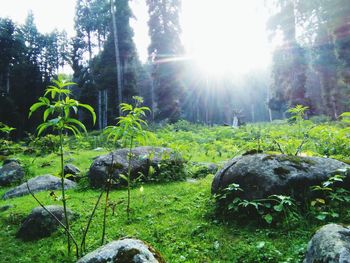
100	127
119	89
89	45
8	80
105	108
252	108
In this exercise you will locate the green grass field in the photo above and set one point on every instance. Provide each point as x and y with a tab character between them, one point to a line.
177	218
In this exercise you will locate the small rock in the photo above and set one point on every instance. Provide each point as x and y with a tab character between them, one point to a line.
126	250
5	208
71	169
11	161
98	149
37	184
11	172
201	170
39	223
330	244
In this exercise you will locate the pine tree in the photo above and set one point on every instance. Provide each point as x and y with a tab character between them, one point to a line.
164	51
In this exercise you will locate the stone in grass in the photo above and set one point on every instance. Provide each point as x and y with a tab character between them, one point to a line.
71	169
72	172
330	244
167	165
126	250
39	223
12	172
201	169
262	175
37	184
4	208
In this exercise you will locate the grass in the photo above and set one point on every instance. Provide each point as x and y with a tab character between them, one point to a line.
176	218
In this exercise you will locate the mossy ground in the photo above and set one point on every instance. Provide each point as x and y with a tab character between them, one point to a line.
175	218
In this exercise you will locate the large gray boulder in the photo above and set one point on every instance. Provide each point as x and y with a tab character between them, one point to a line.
37	184
166	163
12	172
39	223
330	244
262	175
126	250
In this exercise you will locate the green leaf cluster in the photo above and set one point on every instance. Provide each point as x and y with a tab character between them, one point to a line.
129	128
58	108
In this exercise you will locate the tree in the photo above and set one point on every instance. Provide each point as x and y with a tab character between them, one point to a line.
289	64
109	24
8	50
119	86
164	51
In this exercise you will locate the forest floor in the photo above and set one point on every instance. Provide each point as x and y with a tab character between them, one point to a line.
177	218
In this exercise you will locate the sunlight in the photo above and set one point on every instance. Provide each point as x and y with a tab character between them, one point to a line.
225	36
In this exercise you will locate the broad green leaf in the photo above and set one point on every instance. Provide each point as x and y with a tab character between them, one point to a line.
268	218
91	110
78	123
123	177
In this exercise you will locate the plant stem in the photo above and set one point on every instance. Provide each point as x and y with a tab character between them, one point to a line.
63	190
129	175
58	221
82	244
108	187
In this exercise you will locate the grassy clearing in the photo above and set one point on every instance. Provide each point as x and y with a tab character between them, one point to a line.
176	218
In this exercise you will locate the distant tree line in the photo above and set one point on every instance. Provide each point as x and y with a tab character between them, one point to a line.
28	60
312	66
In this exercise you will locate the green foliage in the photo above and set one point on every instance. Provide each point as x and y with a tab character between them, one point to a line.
331	200
57	104
298	113
7	147
274	209
293	144
178	217
47	144
5	129
129	130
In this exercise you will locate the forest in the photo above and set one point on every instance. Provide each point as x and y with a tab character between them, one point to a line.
109	157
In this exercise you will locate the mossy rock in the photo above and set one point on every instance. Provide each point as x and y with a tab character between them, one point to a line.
262	175
39	223
127	250
147	164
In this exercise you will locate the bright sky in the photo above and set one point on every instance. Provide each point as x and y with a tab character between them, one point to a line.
221	35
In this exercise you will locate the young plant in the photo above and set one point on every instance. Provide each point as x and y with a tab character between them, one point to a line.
297	141
129	129
57	116
270	209
331	199
5	131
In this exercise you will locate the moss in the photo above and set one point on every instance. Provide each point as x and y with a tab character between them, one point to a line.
251	152
126	256
269	157
294	159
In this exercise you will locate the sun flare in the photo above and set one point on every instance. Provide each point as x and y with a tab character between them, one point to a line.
225	36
